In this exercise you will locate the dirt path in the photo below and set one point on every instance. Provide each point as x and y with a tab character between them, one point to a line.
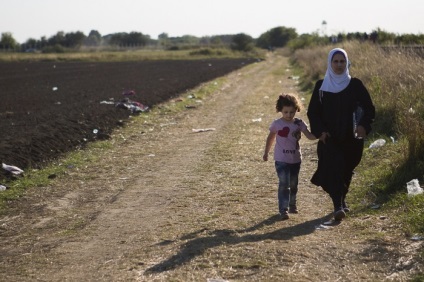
168	204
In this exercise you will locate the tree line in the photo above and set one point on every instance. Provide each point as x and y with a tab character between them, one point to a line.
274	38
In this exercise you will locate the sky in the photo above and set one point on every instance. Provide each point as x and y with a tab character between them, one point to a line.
26	19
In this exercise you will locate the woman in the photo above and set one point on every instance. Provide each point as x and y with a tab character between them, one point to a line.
340	114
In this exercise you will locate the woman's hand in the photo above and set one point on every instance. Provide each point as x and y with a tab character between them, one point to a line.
324	136
360	132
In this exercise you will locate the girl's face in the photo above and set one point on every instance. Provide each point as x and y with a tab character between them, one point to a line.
288	113
338	63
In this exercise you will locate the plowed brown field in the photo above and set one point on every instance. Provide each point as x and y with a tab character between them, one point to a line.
48	108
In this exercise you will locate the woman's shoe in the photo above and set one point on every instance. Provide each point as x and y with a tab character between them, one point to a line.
345	207
339	215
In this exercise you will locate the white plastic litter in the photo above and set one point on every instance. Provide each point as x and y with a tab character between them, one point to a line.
417	238
257	119
3	188
12	169
414	188
107	102
196	130
322	227
377	143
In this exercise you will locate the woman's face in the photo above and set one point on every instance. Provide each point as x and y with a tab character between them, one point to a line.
338	63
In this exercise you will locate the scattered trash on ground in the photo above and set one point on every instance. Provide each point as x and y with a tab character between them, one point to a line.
128	93
133	106
294	77
323	227
111	102
202	129
216	280
2	187
417	238
257	119
54	88
414	188
377	143
167	124
12	169
375	207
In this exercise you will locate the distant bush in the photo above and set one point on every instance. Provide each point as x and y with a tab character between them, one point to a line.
54	49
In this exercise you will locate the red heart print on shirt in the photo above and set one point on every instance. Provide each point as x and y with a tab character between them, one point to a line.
284	132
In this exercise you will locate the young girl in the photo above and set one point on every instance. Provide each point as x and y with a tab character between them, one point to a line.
287	132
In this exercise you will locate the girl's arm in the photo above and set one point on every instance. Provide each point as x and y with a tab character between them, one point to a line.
309	134
269	141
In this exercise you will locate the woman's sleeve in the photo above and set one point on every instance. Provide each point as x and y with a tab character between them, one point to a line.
315	112
367	106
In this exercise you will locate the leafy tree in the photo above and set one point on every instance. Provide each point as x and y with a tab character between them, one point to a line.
163	35
410	39
185	40
307	40
70	40
94	38
74	39
382	37
242	42
131	39
276	37
57	39
216	40
31	43
163	39
117	38
7	41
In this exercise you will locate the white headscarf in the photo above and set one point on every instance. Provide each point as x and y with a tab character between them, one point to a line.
335	82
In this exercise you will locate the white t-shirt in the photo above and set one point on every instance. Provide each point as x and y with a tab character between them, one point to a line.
287	148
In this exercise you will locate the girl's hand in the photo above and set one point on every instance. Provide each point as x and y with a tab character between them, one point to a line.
265	157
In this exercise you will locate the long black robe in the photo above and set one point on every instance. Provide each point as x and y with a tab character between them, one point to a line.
342	152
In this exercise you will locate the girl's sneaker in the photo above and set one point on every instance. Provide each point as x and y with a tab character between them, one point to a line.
293	209
285	215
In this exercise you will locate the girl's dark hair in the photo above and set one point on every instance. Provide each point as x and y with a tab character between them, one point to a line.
287	100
